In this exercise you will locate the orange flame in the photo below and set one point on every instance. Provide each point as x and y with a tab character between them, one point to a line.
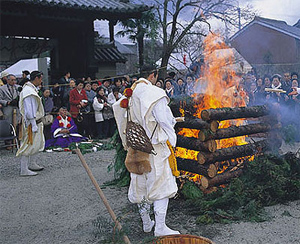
220	88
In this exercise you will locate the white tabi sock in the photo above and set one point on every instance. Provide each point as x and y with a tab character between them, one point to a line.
24	167
160	211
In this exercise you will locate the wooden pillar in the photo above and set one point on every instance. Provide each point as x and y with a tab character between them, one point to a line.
112	23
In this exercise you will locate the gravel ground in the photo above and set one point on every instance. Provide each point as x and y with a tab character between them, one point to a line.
60	205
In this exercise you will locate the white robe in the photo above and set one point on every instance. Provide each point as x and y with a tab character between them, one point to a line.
31	109
148	107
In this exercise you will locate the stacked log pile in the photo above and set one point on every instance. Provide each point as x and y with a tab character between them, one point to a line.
210	159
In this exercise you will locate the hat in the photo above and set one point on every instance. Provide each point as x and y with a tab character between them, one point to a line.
4	74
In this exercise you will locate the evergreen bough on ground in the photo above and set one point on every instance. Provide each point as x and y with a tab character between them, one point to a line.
268	180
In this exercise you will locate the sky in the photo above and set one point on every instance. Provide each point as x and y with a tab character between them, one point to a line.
287	10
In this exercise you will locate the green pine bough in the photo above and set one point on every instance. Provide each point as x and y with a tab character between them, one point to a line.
268	180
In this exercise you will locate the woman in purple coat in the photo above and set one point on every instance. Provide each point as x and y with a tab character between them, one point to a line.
64	131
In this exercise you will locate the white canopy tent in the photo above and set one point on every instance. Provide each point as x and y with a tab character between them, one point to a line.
40	64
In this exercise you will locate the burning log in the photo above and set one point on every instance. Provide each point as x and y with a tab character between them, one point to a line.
220	178
232	152
198	124
234	131
196	144
234	113
194	167
186	103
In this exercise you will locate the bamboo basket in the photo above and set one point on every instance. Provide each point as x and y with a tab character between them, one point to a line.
182	239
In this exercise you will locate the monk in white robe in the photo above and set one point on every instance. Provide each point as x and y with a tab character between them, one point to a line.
32	110
149	107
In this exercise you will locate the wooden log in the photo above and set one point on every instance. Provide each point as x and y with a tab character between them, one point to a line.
220	178
234	131
183	102
196	144
198	124
234	113
232	152
194	167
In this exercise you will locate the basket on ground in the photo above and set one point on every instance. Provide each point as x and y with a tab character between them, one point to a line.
183	239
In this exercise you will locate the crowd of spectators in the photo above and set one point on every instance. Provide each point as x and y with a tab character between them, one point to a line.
89	102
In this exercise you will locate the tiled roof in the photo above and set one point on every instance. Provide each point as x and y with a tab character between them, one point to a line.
113	6
108	53
277	25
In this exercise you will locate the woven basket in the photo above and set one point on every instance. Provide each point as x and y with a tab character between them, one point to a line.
182	239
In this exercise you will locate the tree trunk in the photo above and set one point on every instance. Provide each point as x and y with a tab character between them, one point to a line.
232	152
198	124
193	167
220	178
234	131
234	113
164	62
196	144
140	41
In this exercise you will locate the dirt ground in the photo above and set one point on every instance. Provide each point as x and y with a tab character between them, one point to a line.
60	205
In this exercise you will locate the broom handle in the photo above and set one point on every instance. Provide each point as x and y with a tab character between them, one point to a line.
101	194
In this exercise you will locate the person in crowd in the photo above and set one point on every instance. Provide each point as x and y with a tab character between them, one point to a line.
95	86
112	98
286	85
63	131
32	111
235	96
48	108
107	86
286	82
47	101
118	84
259	94
126	82
150	106
57	93
159	83
134	79
190	83
66	94
24	79
1	112
9	98
276	97
251	94
65	79
99	102
293	99
267	81
3	80
195	68
171	78
294	76
78	102
169	89
268	84
249	78
59	89
294	109
181	86
89	121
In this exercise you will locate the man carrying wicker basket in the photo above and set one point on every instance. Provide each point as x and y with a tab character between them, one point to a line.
146	127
